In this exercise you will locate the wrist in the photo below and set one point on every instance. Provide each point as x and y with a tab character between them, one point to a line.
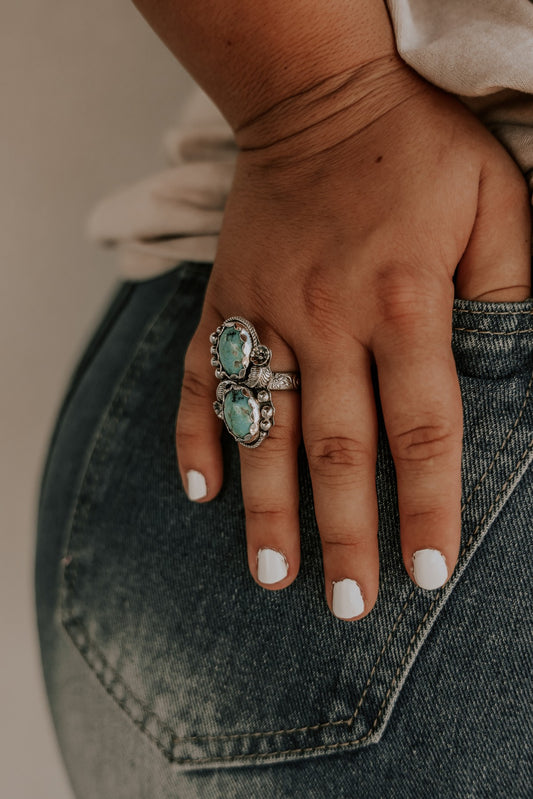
324	115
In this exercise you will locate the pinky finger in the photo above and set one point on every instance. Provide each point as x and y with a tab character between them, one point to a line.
197	427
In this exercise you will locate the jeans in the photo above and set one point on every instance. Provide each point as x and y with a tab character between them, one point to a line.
171	673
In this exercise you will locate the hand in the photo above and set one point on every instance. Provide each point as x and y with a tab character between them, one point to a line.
342	256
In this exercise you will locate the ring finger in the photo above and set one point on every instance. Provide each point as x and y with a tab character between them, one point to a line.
270	489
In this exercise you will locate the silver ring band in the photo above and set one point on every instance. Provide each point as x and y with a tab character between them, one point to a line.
264	377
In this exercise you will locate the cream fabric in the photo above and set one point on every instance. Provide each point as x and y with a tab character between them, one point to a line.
481	50
176	214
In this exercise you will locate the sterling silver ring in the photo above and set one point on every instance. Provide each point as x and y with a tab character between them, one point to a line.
242	364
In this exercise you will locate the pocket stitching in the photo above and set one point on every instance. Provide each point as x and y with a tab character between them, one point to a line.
499	452
492	332
98	434
300	750
463	552
90	645
493	313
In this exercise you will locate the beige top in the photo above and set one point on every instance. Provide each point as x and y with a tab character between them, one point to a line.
480	50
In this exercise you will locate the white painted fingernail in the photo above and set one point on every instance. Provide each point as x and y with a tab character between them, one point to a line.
196	485
272	566
347	599
430	570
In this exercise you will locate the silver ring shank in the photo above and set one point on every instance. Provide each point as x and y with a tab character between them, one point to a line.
264	377
284	381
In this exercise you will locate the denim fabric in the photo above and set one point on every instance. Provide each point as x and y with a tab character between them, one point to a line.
170	673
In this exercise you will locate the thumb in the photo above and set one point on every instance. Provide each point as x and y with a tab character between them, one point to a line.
496	265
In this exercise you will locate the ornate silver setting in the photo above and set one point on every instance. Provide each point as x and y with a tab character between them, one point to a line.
264	377
257	355
261	408
252	383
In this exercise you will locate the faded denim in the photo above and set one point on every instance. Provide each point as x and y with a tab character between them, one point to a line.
170	673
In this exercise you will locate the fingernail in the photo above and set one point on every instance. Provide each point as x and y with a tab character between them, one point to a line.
347	599
430	570
196	485
272	566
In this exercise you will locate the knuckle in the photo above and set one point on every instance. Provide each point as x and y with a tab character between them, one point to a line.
259	510
503	171
186	439
193	391
409	295
400	306
516	193
194	388
283	437
425	443
431	516
341	536
332	454
320	299
279	449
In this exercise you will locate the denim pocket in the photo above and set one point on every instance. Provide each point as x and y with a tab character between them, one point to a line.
115	307
156	592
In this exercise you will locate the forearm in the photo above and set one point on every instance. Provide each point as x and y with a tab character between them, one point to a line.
251	56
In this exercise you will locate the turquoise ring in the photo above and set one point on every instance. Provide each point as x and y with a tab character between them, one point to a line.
242	364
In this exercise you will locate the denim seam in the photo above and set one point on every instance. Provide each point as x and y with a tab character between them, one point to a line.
463	552
300	750
78	507
439	594
342	744
492	332
493	313
86	646
322	725
119	397
114	309
502	447
360	740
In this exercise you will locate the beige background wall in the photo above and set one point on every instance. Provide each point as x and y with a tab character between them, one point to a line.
86	91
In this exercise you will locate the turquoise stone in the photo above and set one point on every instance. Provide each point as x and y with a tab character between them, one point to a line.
233	352
240	412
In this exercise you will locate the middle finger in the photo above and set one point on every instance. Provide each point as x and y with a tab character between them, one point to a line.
339	424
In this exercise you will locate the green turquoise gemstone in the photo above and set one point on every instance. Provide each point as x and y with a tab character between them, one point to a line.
240	412
233	352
